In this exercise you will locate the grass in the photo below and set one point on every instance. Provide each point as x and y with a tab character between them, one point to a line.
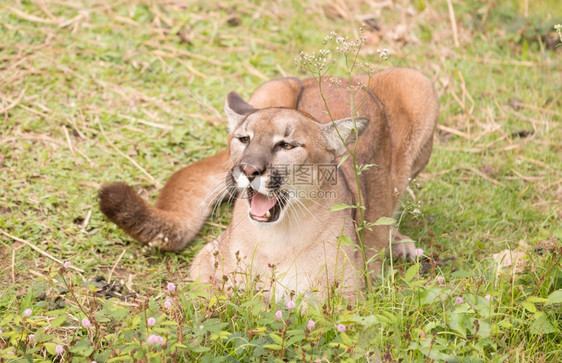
88	88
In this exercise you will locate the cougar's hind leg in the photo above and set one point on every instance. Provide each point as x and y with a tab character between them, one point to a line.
183	205
411	105
422	157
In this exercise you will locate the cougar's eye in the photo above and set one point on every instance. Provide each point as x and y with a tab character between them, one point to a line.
286	146
244	139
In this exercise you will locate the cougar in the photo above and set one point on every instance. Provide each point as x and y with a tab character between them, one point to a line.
281	164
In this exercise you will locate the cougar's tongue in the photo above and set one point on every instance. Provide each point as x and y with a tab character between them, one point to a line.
261	204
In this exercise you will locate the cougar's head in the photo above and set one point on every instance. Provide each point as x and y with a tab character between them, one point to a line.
279	155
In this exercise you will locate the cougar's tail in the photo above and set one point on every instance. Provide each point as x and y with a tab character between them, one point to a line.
181	209
145	223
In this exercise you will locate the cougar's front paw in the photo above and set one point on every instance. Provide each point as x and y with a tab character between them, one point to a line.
404	250
206	263
403	247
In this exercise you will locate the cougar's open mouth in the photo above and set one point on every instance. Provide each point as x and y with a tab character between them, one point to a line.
265	208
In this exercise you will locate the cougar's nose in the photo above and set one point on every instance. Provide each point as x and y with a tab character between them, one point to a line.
251	171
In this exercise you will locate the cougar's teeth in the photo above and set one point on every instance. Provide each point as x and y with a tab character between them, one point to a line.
268	214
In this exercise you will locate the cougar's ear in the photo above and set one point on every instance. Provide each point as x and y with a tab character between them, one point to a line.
236	109
344	129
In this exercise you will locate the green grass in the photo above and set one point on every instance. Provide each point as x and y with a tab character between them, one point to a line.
74	79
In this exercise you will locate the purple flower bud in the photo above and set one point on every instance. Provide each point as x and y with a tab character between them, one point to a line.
419	252
459	300
341	328
59	349
27	312
167	304
291	305
66	264
151	321
86	323
171	287
31	337
279	314
155	339
488	297
311	325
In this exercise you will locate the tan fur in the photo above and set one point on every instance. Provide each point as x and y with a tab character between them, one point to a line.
300	252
